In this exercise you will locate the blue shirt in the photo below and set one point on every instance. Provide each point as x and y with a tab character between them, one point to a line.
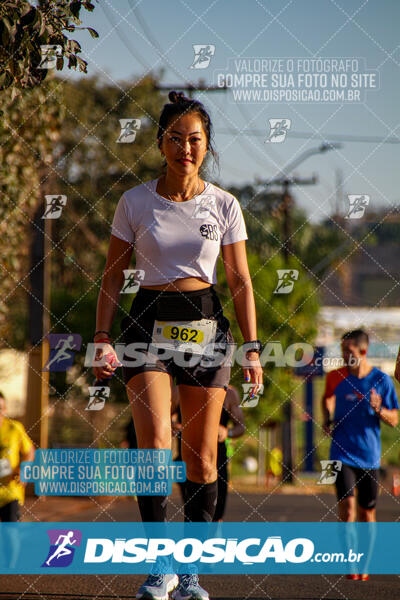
356	436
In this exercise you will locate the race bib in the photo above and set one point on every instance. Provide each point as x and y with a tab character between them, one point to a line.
185	336
5	467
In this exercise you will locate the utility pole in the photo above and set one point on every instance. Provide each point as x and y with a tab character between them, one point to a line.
339	191
37	393
287	425
287	204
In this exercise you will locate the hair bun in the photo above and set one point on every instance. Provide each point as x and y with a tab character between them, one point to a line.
177	97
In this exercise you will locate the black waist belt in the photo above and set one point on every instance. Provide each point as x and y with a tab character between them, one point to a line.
177	306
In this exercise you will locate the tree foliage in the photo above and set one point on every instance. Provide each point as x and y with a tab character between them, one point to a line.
93	170
29	130
284	318
24	28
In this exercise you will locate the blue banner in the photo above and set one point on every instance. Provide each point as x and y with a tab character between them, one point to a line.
251	548
90	472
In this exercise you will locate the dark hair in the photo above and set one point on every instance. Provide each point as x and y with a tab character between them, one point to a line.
359	336
181	105
2	395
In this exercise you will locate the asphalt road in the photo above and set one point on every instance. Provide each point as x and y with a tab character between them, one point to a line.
251	507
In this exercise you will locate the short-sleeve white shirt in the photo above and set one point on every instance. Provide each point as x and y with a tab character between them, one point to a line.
178	239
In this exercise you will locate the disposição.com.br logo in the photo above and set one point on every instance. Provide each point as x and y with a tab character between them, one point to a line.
62	547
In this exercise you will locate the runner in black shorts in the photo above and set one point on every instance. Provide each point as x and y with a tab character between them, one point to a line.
357	398
178	225
365	481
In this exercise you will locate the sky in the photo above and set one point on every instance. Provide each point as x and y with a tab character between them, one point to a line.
137	37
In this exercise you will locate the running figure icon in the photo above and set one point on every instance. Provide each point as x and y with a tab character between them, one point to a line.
287	278
62	549
63	345
55	205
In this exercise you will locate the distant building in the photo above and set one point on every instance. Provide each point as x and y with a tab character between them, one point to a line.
367	275
382	325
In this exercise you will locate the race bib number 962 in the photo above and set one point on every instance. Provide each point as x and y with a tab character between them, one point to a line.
184	335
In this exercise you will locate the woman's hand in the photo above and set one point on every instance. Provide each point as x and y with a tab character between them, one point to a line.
106	351
253	372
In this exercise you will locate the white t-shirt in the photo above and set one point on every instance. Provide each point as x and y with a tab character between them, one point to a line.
178	239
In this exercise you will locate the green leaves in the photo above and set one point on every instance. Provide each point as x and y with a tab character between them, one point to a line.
92	32
25	29
75	8
29	124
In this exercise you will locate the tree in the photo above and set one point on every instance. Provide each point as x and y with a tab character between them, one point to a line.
315	244
29	127
283	318
25	29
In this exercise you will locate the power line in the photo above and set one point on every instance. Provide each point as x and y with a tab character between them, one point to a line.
201	86
368	139
127	42
271	151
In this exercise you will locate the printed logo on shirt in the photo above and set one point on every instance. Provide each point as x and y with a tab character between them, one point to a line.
354	397
209	231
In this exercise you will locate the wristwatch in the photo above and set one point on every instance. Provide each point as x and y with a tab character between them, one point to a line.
255	346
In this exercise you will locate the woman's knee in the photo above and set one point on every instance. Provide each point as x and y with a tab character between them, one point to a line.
150	401
157	438
201	466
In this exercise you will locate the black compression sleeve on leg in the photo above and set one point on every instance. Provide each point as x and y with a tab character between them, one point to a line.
200	501
222	493
153	508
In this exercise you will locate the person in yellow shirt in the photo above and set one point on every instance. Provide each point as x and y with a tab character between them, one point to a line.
15	447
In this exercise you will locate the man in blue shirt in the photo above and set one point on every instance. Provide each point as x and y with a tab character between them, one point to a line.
358	396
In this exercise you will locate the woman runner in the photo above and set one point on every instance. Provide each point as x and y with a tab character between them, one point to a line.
178	225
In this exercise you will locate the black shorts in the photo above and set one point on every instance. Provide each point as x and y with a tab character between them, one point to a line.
10	511
365	480
149	305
